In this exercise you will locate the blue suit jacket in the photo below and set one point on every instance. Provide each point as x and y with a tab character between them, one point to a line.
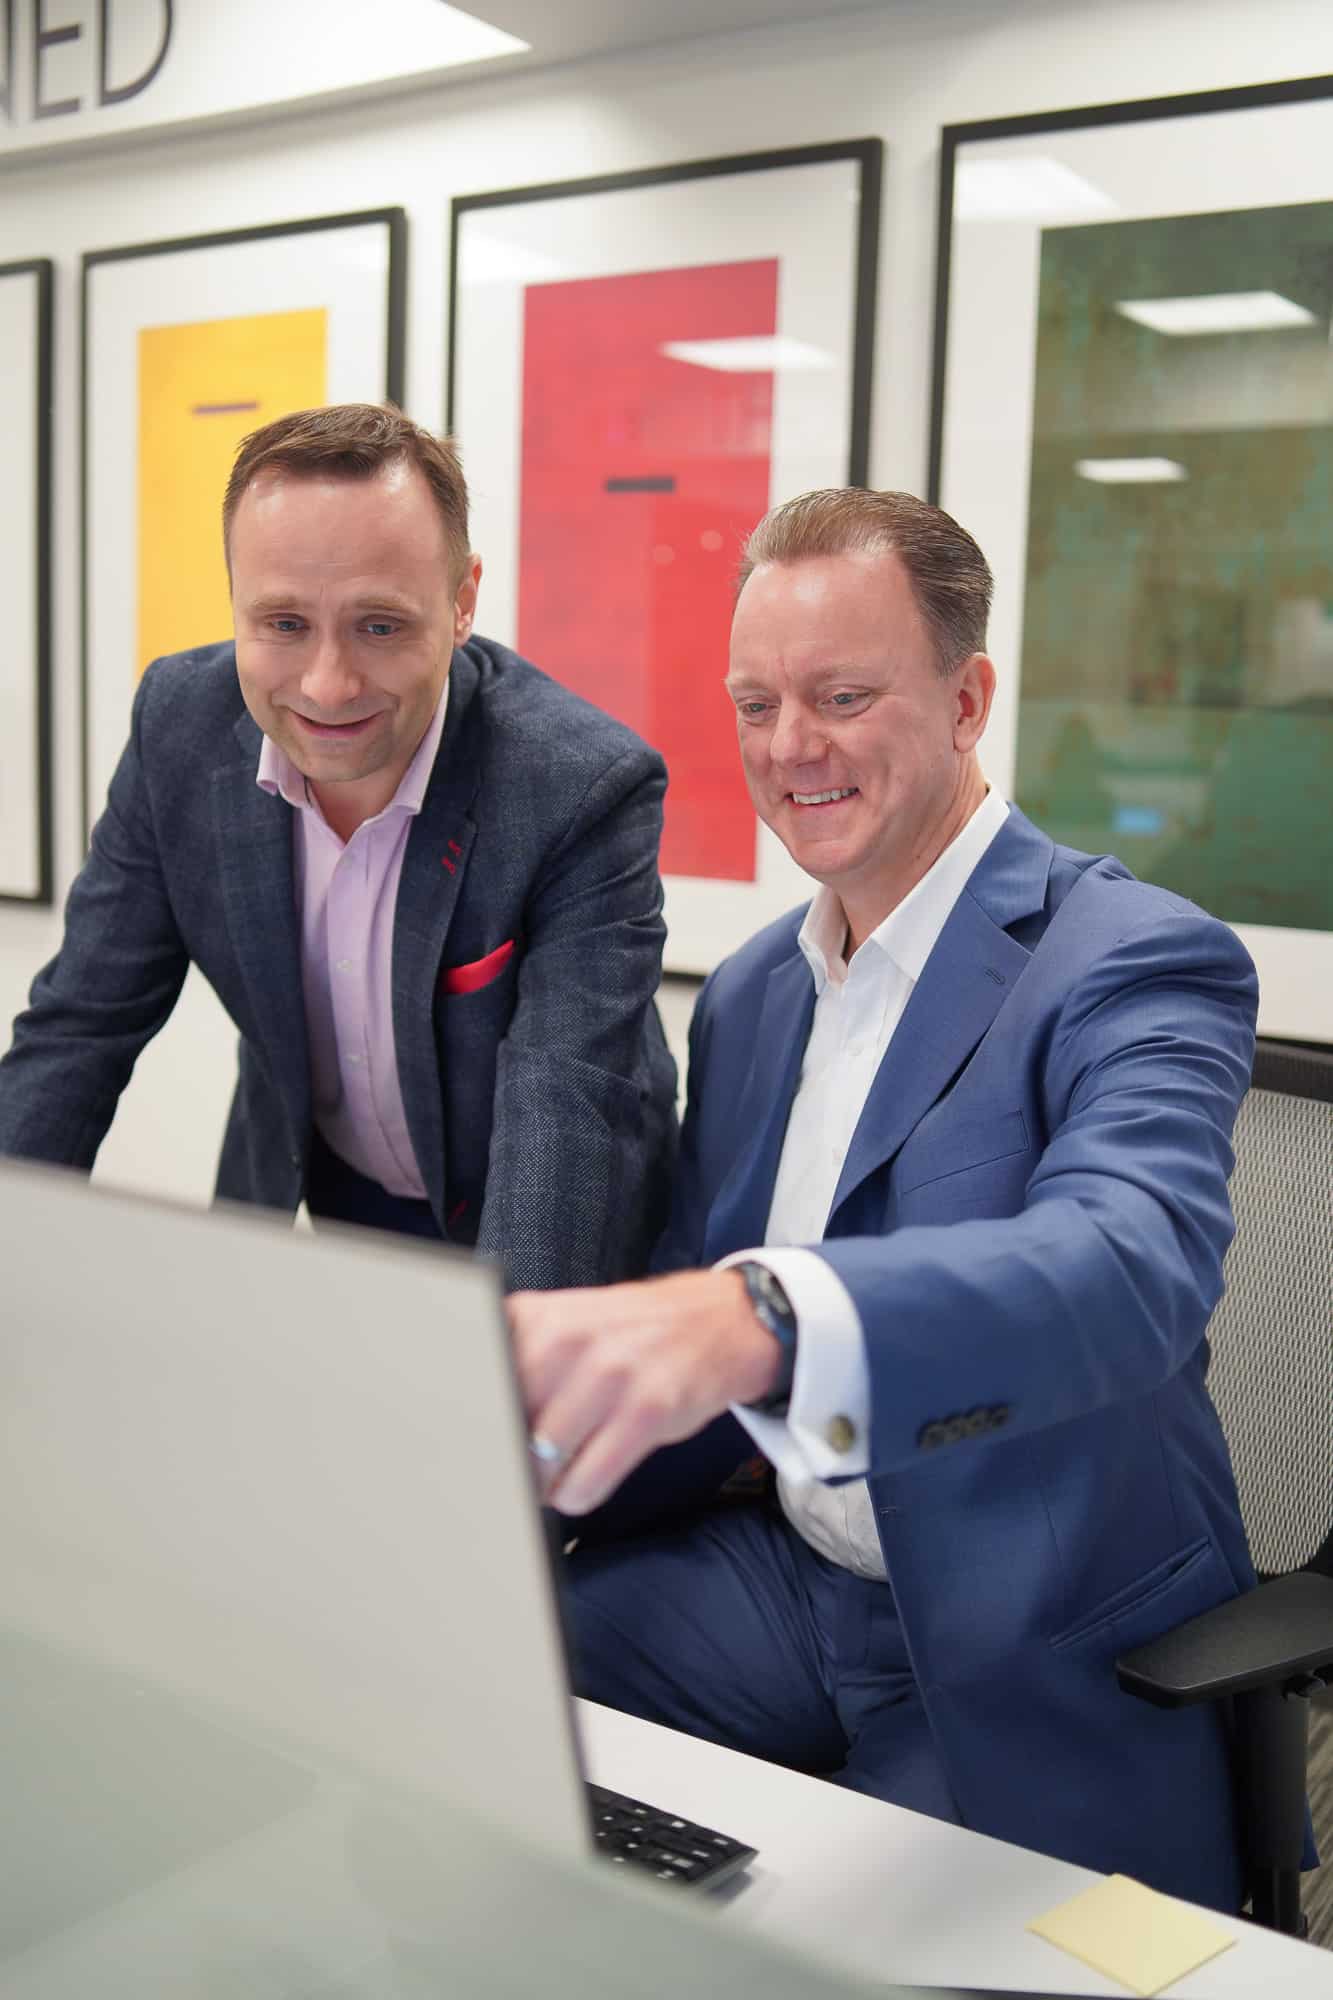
541	1106
1031	1221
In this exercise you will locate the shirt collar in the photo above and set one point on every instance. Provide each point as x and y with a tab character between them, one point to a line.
276	772
909	933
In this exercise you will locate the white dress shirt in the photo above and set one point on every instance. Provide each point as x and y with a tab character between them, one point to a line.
857	1008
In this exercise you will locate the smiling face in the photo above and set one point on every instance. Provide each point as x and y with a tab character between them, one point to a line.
346	620
857	751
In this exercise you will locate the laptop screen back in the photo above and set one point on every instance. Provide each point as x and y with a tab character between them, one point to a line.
286	1474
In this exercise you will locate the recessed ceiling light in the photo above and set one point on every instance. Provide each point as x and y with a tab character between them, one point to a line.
747	354
1217	312
1028	188
1129	471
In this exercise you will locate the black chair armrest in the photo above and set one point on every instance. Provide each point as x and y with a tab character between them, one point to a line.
1281	1631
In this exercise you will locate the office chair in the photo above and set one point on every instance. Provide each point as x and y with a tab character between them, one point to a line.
1271	1376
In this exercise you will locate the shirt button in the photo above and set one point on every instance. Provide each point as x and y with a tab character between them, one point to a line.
355	1060
840	1434
347	965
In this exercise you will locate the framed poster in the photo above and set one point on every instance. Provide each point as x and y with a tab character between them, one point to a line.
640	365
1133	413
25	581
189	345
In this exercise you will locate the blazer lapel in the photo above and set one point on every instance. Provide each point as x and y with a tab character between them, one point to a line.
434	865
739	1213
254	846
963	985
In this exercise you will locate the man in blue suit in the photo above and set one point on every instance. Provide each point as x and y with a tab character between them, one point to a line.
959	1132
420	876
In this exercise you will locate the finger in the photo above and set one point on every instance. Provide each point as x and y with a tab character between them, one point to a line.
547	1339
610	1454
574	1414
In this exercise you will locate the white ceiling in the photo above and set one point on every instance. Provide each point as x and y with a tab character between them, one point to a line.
562	29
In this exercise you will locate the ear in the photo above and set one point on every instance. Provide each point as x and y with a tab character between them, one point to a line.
465	601
972	687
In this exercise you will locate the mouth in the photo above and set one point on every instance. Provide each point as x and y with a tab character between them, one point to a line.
335	732
820	801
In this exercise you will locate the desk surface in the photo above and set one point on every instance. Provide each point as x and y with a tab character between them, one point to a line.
891	1894
156	1848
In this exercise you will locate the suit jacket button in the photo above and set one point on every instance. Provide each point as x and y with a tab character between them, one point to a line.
840	1434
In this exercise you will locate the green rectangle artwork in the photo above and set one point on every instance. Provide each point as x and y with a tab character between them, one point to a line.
1176	705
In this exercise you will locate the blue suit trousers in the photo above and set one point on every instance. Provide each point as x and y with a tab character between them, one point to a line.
735	1630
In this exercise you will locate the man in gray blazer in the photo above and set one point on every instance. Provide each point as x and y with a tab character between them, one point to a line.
420	876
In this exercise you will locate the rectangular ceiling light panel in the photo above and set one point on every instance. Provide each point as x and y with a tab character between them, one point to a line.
1129	471
747	354
1217	312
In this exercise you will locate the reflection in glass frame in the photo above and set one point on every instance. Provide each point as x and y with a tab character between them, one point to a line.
640	365
188	345
25	582
1133	413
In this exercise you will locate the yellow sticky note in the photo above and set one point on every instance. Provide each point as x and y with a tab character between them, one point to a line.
1143	1939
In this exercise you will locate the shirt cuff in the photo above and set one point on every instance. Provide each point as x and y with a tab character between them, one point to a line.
826	1431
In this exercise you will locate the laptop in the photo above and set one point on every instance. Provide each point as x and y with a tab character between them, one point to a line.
282	1478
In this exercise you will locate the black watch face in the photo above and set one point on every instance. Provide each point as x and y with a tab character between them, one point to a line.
766	1285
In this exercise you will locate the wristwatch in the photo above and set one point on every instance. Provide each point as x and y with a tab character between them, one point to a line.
773	1309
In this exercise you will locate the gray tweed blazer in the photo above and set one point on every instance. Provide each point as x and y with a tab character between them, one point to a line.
539	1092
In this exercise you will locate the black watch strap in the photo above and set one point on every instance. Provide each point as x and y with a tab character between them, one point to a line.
773	1309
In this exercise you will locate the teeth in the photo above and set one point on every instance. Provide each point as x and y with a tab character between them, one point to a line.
822	798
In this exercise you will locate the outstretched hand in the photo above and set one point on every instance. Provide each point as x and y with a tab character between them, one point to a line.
610	1373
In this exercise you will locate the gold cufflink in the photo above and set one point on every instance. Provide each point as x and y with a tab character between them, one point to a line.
840	1434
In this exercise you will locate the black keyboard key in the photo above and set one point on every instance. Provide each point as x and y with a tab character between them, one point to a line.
662	1844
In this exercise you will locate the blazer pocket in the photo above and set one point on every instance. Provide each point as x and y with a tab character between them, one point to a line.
1192	1580
480	972
959	1148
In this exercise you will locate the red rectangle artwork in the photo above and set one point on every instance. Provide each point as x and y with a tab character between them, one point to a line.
642	475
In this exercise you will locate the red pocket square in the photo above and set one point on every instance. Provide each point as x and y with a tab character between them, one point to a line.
471	978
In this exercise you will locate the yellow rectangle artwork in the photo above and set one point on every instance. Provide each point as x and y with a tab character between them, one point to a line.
202	388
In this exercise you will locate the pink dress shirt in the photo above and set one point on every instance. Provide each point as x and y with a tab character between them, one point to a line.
345	898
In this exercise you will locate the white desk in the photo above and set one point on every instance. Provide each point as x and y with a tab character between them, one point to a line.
877	1890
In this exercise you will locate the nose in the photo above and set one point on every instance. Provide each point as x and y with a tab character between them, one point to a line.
329	681
797	737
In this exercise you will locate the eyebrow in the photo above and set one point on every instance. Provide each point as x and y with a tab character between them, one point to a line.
826	678
294	602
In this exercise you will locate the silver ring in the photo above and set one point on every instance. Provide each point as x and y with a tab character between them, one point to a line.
545	1452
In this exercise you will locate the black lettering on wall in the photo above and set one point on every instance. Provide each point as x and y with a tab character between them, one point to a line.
44	38
109	93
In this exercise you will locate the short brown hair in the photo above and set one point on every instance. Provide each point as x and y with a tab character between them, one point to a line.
355	441
950	578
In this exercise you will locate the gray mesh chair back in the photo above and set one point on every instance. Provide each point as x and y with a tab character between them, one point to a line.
1272	1379
1271	1374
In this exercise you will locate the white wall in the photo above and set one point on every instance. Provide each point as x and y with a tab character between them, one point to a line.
900	71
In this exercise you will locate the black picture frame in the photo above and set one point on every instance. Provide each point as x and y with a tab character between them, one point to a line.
38	890
649	228
1225	157
393	221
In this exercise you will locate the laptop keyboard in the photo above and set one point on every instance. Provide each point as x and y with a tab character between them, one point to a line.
634	1835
